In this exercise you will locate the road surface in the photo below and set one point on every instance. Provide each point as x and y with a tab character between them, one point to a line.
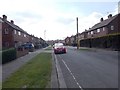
89	69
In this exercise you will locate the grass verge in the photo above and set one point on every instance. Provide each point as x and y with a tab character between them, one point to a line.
35	74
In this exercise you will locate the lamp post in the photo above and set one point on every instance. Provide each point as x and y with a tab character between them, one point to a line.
77	34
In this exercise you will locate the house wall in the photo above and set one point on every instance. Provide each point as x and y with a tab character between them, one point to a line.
7	39
20	39
67	41
114	23
102	32
95	34
0	35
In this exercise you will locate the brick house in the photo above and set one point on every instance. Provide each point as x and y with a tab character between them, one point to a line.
12	35
67	41
105	27
1	33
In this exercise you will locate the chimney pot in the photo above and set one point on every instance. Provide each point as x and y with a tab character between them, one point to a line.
101	19
4	17
12	21
110	15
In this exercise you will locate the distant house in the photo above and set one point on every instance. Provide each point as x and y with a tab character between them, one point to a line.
67	41
12	35
72	40
105	27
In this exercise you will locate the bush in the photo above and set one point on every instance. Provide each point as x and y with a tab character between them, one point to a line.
8	55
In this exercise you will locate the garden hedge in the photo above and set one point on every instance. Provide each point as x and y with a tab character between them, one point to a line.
8	55
110	41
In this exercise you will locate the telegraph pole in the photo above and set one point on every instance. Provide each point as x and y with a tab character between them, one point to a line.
77	34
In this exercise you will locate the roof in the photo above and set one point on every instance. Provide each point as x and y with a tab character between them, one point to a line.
15	26
103	23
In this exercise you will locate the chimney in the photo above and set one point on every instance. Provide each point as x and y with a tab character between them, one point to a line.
12	21
101	19
4	17
110	15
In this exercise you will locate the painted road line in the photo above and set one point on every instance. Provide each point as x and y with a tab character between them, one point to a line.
72	74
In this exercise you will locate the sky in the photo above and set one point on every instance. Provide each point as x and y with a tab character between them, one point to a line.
56	19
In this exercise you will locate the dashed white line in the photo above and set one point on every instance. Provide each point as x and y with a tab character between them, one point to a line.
72	74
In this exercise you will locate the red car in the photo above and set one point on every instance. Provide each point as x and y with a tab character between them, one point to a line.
59	48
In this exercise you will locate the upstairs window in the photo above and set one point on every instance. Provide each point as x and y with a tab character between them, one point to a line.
19	33
15	32
24	35
6	31
88	33
98	30
112	27
103	28
91	32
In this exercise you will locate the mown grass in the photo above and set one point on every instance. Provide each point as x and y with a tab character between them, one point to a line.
35	74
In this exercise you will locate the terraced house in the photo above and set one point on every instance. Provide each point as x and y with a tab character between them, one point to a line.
111	25
105	27
14	36
1	33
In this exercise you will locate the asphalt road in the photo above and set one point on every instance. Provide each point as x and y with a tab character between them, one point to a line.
89	69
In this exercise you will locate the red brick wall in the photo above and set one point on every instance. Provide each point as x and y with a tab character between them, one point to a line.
7	37
20	38
101	33
116	24
0	35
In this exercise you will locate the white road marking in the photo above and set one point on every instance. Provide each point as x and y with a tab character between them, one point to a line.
72	74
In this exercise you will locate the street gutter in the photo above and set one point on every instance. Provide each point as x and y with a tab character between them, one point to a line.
60	80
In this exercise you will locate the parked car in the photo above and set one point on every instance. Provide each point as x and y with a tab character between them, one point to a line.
59	48
29	46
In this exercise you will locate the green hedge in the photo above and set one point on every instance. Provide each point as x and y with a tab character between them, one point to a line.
8	55
109	41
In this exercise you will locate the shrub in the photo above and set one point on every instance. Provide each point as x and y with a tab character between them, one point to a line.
8	55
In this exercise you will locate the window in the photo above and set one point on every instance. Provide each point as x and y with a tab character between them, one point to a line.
88	33
112	27
6	31
24	35
15	32
91	32
103	28
98	30
19	33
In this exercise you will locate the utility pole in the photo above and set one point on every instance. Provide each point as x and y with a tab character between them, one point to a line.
77	34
